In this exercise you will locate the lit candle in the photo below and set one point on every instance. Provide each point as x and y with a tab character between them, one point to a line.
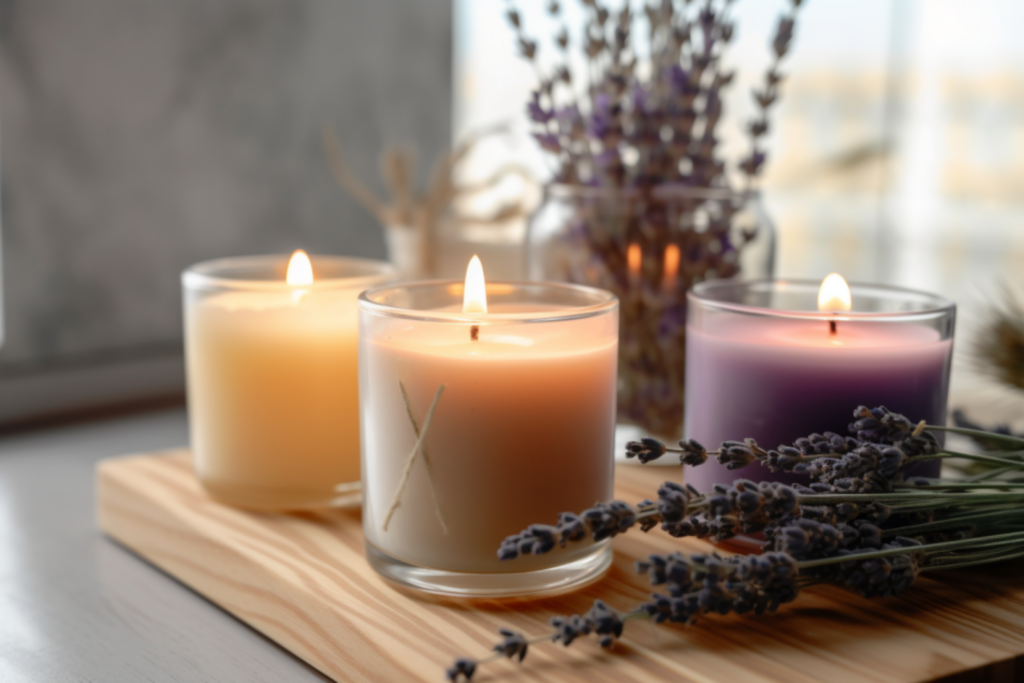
512	386
273	377
775	361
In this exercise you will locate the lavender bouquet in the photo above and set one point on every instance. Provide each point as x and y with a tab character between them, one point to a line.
856	524
648	203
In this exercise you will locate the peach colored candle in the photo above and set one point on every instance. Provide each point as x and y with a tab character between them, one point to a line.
521	430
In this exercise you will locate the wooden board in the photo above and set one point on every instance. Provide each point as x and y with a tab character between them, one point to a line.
302	581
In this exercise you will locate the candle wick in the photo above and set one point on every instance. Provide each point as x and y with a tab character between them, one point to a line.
832	327
474	333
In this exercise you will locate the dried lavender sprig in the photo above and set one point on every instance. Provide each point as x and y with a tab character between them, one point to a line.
735	584
743	507
708	583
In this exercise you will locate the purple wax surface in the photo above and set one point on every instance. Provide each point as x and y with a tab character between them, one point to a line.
775	380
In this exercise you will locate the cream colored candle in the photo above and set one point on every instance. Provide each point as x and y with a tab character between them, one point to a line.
272	378
523	395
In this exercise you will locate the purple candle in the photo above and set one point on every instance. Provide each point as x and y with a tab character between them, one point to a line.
762	361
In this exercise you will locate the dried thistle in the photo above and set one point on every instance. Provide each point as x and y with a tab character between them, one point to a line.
999	349
408	209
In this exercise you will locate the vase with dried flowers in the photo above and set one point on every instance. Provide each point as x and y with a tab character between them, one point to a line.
418	224
643	201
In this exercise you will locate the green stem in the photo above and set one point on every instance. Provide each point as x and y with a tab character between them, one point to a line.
991	474
935	485
927	499
989	436
1012	464
954	557
950	523
1000	539
973	563
941	502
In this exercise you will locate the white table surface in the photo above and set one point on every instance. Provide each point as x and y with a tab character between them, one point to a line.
75	606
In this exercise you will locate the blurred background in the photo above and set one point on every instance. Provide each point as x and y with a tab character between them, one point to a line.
140	137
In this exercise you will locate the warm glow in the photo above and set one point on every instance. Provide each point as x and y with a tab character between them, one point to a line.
300	270
834	294
671	265
474	297
633	258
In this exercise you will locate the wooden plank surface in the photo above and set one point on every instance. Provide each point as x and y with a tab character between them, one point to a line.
302	581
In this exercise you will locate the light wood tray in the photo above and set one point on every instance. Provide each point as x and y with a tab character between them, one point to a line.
302	581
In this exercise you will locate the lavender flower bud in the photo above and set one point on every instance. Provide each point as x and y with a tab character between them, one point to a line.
568	629
571	527
735	454
880	577
783	36
462	667
870	536
607	623
607	520
513	645
693	454
544	538
673	502
786	459
645	450
527	48
880	425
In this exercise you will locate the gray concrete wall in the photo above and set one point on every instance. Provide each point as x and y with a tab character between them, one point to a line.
140	136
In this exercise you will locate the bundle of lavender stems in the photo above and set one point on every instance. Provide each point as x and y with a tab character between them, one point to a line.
639	131
857	523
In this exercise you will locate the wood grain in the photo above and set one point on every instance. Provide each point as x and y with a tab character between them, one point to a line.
302	581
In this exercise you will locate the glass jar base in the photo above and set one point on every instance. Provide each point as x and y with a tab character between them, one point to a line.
560	579
284	500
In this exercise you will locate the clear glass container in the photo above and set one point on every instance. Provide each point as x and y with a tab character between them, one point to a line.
649	248
764	363
273	379
517	409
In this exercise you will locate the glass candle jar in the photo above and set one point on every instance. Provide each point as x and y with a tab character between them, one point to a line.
516	408
764	363
273	379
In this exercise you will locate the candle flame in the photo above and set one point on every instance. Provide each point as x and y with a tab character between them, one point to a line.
671	265
633	256
834	294
300	270
474	297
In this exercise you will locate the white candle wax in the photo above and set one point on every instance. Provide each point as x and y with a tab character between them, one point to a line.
522	431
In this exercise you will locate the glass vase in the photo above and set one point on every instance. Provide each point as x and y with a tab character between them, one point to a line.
649	247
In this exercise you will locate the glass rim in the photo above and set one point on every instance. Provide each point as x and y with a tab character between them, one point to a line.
209	274
939	306
605	302
663	191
